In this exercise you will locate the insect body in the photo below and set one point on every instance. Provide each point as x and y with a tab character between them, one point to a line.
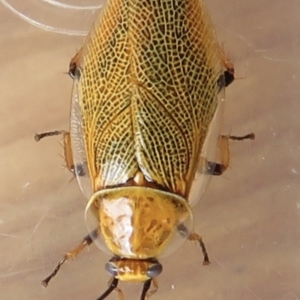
146	107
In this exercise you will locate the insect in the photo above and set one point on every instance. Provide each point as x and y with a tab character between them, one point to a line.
144	134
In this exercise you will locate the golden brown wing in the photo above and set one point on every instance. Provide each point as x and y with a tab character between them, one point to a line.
147	91
176	64
104	95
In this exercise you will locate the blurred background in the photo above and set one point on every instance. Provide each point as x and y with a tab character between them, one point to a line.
249	217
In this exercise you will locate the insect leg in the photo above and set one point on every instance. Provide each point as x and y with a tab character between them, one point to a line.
197	238
72	254
146	288
183	231
112	286
68	155
145	293
219	168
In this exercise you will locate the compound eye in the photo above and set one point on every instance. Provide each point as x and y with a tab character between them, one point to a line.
154	270
111	268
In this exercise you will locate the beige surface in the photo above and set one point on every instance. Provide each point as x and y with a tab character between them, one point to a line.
249	217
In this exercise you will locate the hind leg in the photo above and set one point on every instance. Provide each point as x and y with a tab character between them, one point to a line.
68	155
214	168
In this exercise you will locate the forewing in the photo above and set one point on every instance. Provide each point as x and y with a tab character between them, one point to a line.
177	66
148	92
104	99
